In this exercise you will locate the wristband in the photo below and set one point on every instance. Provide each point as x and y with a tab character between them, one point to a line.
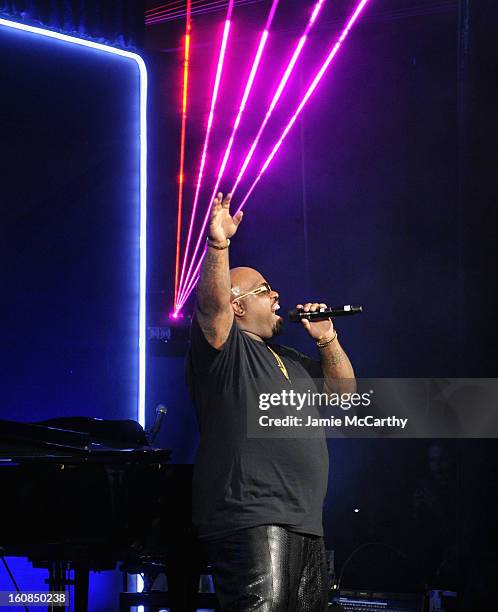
327	342
218	246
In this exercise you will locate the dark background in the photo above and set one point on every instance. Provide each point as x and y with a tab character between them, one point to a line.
383	194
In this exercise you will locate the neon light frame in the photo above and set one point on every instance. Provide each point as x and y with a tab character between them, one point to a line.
143	182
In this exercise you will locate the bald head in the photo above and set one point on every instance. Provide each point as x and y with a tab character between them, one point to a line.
255	313
244	279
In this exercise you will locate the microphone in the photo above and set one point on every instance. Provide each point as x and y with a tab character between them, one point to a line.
296	315
161	411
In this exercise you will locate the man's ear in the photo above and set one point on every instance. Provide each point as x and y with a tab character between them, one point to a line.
238	309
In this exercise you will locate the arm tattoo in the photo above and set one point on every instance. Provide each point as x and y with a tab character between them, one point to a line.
331	357
337	369
213	290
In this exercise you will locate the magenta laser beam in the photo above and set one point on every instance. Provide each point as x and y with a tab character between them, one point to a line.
307	95
214	98
280	88
243	103
278	92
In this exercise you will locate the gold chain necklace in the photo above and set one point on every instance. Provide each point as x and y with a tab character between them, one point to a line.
280	363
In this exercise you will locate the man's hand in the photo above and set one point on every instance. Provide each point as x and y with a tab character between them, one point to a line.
320	331
221	224
337	370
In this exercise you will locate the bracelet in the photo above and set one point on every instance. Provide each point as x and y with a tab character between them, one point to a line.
327	342
219	247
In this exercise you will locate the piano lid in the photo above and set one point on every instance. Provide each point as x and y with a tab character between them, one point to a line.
17	434
116	433
73	433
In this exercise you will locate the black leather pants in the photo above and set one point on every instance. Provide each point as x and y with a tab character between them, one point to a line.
269	569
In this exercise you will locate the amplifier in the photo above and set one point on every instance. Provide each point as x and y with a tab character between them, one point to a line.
375	601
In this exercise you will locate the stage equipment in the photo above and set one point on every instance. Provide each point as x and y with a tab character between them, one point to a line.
161	412
370	601
296	316
84	494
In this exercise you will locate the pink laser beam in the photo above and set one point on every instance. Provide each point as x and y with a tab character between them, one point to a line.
214	98
293	119
273	103
228	151
245	96
306	97
191	284
179	11
278	92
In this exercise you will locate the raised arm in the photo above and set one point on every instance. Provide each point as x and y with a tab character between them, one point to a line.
214	310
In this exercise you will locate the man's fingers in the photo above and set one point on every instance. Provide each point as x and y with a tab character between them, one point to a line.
226	201
312	306
237	218
215	208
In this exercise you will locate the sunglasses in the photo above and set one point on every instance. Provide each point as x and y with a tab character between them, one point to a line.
264	288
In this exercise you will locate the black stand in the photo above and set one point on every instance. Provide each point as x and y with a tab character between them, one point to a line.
59	580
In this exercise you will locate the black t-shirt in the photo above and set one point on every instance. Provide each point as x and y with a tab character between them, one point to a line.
242	482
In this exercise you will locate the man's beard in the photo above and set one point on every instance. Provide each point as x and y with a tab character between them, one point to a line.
278	328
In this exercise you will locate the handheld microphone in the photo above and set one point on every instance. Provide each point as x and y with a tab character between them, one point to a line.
296	315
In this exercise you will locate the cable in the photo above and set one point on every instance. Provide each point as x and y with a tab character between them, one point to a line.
361	547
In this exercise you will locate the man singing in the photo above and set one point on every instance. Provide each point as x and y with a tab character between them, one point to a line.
257	502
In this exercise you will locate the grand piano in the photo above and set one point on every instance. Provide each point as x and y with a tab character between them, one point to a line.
83	494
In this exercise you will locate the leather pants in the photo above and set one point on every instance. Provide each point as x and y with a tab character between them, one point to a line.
270	569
